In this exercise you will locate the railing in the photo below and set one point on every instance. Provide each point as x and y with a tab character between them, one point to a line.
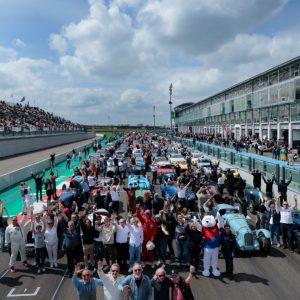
32	130
249	161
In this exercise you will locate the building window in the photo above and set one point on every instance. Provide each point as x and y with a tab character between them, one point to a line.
273	95
256	115
249	116
273	112
264	115
263	98
297	90
249	101
223	108
243	116
283	113
295	112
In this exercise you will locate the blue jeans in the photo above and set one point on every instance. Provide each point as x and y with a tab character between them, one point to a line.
134	255
40	256
2	238
161	249
275	230
182	247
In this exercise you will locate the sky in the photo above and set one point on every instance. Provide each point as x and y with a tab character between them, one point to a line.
110	61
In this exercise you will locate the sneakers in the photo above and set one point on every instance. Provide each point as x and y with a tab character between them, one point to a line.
130	270
51	265
25	264
278	245
55	265
39	271
43	270
13	269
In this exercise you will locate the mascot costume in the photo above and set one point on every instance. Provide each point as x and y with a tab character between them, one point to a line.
210	231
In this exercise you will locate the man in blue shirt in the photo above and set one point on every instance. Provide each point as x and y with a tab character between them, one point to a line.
137	285
87	286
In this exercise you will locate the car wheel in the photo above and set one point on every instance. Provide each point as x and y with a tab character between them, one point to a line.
252	207
297	244
264	244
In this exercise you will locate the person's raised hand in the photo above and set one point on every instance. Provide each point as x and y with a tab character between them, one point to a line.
100	265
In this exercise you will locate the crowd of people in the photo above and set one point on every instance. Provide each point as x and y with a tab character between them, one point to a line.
26	117
95	235
279	151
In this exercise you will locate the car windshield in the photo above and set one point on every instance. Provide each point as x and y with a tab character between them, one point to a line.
165	167
176	155
204	160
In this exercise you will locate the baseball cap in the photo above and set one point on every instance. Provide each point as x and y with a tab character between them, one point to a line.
147	212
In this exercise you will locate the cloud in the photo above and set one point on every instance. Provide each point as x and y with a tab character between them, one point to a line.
197	27
58	43
7	54
18	43
118	60
101	43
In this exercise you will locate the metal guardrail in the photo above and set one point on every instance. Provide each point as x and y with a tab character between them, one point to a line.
249	161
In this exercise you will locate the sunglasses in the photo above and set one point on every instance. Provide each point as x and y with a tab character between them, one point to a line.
285	204
115	271
137	270
50	223
161	275
86	275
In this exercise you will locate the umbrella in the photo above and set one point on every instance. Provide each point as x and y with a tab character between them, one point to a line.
102	212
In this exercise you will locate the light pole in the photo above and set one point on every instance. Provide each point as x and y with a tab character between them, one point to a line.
153	117
170	102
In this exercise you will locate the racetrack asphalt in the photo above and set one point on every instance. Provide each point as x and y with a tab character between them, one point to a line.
276	276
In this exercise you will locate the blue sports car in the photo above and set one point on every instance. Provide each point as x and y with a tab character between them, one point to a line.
246	239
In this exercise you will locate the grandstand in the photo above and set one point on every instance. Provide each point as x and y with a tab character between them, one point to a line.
16	118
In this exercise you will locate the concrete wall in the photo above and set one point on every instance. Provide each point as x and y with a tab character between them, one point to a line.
23	174
17	145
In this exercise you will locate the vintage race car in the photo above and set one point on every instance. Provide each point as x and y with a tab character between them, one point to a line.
140	180
195	156
165	171
139	161
296	231
168	189
203	161
175	157
183	165
156	161
246	239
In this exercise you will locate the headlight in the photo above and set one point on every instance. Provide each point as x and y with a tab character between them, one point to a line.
256	245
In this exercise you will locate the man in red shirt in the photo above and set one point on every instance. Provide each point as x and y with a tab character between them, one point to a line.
149	227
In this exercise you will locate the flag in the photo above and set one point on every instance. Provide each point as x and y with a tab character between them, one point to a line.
23	99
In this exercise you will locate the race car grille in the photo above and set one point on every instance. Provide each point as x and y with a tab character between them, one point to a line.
248	237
